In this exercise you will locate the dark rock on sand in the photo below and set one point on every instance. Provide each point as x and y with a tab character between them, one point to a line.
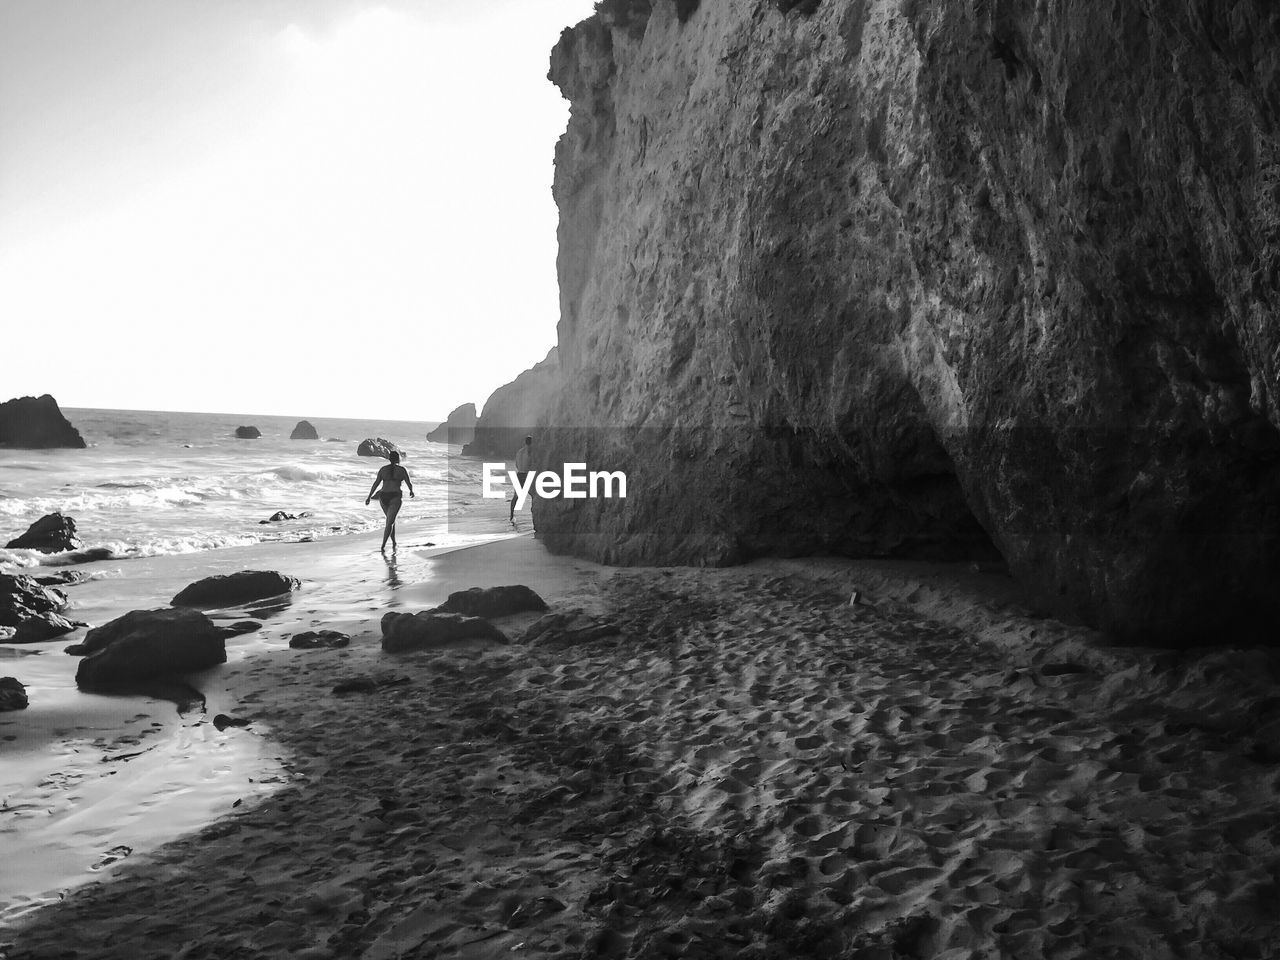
53	533
248	433
569	628
36	423
493	601
21	598
378	447
235	589
514	410
402	632
145	646
319	640
222	721
304	431
44	626
13	695
460	427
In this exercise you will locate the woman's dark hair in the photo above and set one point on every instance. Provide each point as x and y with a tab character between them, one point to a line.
394	456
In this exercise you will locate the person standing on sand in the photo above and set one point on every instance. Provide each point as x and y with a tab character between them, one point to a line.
523	456
390	476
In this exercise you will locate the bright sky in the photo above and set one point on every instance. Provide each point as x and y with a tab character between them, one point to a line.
303	207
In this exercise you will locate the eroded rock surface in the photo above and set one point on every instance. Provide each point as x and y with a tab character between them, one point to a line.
22	598
931	280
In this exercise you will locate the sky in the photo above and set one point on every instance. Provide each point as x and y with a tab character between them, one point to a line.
332	208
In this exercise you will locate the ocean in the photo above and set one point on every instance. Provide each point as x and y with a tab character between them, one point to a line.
152	483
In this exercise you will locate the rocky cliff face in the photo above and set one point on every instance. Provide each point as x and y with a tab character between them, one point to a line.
514	410
458	427
926	279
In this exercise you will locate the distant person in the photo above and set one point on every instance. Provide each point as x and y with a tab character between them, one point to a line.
523	457
390	476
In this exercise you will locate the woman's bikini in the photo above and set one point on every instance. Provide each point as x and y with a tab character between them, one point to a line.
390	484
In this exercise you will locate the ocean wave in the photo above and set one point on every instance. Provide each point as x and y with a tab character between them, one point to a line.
302	473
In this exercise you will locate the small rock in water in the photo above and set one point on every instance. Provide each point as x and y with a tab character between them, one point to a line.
222	721
50	534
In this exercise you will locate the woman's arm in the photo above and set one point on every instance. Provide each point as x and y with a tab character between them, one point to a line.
407	480
376	480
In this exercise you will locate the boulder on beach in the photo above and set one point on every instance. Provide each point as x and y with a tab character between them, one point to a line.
13	695
319	640
459	427
21	599
248	433
36	423
147	645
304	431
378	447
52	533
235	589
404	632
45	626
493	601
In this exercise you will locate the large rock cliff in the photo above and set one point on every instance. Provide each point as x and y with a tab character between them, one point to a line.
891	277
515	410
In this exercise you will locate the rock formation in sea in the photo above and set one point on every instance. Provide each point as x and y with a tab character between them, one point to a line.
378	447
36	423
304	431
515	410
931	280
460	427
248	433
52	533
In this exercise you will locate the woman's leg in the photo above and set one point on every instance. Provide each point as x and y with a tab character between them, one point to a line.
392	509
386	528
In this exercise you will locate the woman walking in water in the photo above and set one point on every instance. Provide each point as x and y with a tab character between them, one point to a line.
390	476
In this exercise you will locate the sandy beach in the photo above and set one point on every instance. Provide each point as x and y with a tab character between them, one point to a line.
753	766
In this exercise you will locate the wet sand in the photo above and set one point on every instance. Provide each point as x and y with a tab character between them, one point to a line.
753	767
